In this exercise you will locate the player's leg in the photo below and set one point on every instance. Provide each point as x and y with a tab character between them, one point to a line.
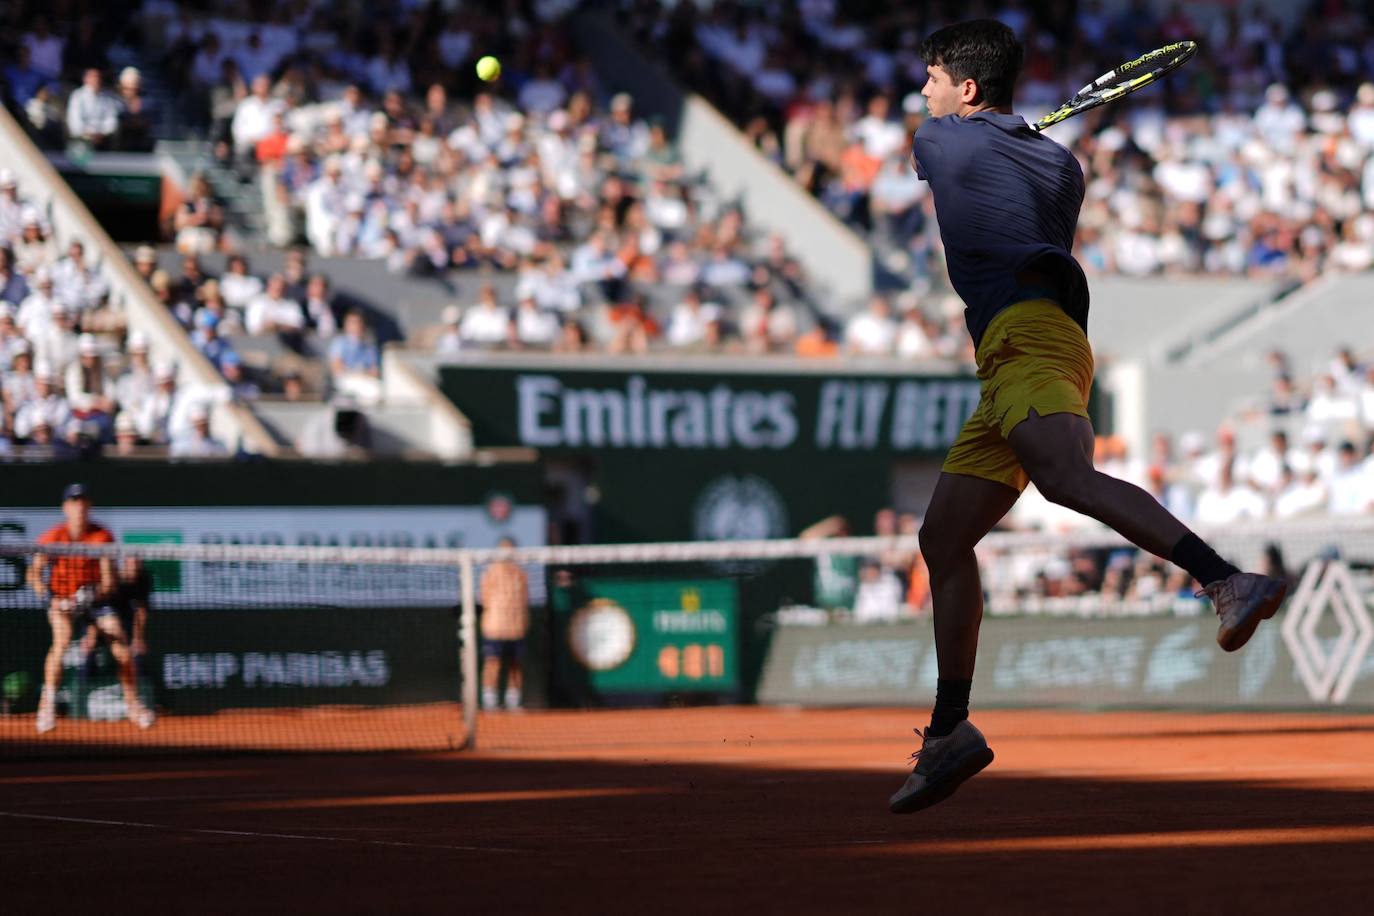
962	510
515	678
491	674
1056	451
60	620
110	625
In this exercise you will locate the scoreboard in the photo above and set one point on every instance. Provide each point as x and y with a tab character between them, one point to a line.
655	636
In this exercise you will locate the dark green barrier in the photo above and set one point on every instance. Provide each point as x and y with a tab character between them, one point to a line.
204	661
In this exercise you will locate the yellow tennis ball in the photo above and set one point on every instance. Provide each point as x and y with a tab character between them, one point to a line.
488	68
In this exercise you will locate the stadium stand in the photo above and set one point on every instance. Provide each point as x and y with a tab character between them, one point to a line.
1261	169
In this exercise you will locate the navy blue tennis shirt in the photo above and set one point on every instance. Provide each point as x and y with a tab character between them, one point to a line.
1007	200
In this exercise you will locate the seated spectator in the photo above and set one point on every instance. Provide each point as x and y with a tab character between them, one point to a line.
125	435
207	339
90	392
12	208
572	338
872	332
1352	491
238	286
145	262
228	322
913	339
14	289
240	387
165	291
631	326
136	115
1266	466
19	385
160	415
197	441
319	307
1328	403
485	324
138	382
92	113
1301	494
534	327
35	312
272	313
354	361
450	339
766	326
47	408
76	282
878	598
35	251
687	324
1227	501
10	337
253	116
199	220
58	343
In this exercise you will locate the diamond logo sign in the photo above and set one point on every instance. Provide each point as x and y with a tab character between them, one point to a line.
1328	667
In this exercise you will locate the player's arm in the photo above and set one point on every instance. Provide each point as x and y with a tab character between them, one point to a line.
138	639
107	576
37	567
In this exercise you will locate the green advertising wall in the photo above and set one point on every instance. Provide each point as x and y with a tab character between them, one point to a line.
208	660
681	455
268	483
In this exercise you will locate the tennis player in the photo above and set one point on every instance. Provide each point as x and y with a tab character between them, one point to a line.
74	587
1007	201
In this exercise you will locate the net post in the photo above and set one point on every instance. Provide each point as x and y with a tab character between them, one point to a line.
467	639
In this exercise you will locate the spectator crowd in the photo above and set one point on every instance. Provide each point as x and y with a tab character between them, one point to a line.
73	380
1262	165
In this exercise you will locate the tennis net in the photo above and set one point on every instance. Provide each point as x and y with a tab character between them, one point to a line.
230	648
348	649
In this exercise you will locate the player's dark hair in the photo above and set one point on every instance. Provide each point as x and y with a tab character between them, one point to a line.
983	50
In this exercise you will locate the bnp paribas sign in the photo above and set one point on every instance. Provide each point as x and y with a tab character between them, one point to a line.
607	410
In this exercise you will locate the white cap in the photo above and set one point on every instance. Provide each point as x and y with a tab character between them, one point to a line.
199	414
7	179
87	345
30	217
451	314
44	370
137	342
130	76
514	121
20	346
1191	442
145	253
58	307
6	310
165	371
42	275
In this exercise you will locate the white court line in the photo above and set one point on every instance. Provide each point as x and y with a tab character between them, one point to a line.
249	833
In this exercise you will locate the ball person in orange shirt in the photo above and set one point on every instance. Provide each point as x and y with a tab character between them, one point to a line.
76	589
505	623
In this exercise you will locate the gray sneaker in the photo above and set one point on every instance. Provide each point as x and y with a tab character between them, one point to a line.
942	764
1242	601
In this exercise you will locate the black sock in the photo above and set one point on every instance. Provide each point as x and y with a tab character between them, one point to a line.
951	706
1201	561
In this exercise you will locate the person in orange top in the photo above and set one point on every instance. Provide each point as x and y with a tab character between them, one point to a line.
76	589
505	623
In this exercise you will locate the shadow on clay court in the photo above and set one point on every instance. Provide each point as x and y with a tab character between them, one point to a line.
455	833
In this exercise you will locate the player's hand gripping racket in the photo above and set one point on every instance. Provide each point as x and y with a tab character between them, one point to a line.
1125	79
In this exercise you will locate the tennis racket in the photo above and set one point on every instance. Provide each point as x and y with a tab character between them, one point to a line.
1125	79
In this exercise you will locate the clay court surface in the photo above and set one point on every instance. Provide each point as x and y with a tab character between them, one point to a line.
744	810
